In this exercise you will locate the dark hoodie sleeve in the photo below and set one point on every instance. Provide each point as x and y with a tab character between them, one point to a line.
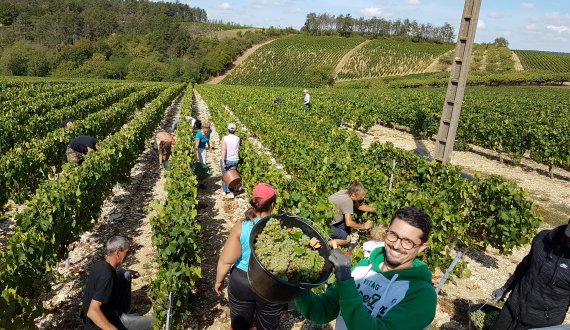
524	265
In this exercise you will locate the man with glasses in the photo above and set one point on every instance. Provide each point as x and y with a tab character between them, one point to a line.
390	290
345	202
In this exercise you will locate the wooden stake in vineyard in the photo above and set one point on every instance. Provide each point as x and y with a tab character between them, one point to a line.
457	80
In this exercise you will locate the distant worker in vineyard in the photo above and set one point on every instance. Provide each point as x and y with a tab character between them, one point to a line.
247	309
67	123
307	100
164	142
107	295
346	201
390	290
79	147
540	285
202	142
229	156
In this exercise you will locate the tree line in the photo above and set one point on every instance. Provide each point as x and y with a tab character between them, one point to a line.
115	39
346	26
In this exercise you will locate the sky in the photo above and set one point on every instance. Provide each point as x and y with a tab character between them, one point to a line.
530	24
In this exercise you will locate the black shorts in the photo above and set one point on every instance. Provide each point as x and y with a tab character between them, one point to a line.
247	308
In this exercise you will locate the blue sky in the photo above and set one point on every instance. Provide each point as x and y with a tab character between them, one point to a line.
529	24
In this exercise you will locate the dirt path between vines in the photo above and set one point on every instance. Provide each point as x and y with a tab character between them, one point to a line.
236	62
217	215
346	57
124	213
436	66
517	62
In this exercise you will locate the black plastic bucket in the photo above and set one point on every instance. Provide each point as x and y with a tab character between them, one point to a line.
269	286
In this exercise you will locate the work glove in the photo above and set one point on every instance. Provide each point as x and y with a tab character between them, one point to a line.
498	294
341	264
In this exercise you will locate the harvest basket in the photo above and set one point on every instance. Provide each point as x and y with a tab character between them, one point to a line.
271	287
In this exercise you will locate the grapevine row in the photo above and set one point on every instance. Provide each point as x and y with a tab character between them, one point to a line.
23	168
62	209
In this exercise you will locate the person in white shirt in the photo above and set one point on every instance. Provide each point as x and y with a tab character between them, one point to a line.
377	237
229	156
307	100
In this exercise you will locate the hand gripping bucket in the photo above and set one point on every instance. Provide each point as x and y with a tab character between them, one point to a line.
269	286
232	178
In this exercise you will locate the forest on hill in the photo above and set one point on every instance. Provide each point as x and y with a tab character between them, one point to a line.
346	26
116	39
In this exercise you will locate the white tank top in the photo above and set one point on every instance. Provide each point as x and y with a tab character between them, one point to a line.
232	147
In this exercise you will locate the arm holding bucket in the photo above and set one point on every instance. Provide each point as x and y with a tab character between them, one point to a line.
223	153
229	255
321	308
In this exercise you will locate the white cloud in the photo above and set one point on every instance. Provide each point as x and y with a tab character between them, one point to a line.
413	2
531	27
225	6
374	11
481	24
527	5
495	15
560	29
265	3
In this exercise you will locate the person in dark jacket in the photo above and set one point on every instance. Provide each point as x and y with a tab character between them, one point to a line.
79	147
540	285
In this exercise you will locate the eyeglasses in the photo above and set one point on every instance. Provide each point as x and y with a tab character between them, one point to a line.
407	243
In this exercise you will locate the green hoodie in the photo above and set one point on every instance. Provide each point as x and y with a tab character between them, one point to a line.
397	299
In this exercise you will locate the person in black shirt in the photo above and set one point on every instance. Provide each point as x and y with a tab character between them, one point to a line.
107	294
79	147
66	123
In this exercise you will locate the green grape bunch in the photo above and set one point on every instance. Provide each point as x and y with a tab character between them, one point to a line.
484	320
288	253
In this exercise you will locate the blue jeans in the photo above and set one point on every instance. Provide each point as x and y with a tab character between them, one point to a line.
229	165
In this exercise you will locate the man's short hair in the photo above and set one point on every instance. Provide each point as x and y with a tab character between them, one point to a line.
356	188
415	217
116	243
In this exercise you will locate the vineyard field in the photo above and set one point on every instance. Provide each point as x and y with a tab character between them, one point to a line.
63	208
539	116
537	60
284	61
390	58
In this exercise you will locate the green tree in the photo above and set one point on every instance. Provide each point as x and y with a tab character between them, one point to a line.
8	13
25	58
319	75
149	69
501	42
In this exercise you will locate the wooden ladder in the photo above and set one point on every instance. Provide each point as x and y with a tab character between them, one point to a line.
457	80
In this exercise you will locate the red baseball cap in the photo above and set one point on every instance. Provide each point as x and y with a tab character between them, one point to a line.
264	191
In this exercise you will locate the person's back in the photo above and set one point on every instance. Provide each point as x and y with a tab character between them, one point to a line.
232	147
102	285
83	144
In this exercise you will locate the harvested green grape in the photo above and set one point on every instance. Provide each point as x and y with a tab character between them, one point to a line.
484	321
287	253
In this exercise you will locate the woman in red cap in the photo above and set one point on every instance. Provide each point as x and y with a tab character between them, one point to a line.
246	308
